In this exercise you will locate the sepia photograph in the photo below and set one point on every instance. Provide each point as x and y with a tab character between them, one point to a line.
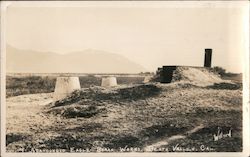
124	77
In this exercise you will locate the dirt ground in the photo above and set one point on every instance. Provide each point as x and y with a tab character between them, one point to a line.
175	117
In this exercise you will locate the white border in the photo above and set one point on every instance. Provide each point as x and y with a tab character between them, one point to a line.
246	84
130	4
2	78
152	4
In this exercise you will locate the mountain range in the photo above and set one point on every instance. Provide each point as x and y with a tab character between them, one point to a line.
86	61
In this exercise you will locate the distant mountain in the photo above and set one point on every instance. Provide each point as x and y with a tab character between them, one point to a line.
87	61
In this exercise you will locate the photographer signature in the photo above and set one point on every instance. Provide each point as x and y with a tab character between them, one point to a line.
220	134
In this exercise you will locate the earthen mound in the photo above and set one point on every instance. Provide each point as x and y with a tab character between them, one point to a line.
196	76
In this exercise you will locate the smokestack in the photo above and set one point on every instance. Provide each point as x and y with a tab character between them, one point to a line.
208	58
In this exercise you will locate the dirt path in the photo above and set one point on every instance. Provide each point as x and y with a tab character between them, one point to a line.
166	140
26	110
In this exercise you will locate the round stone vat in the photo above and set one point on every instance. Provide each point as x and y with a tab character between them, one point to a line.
147	79
109	81
65	86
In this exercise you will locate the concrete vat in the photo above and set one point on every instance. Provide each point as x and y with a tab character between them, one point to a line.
65	86
147	79
109	81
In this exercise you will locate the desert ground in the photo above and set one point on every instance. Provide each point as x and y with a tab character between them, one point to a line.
182	116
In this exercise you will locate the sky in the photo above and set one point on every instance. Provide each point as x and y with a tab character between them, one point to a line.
149	36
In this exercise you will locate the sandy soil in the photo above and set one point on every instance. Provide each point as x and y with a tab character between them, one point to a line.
174	111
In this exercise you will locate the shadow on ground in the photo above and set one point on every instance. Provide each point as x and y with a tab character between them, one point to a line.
11	138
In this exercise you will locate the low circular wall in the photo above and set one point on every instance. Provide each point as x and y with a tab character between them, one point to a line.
65	86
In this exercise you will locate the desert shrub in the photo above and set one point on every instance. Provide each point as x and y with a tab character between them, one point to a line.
227	75
219	70
74	97
85	93
66	141
29	85
129	80
138	92
86	128
119	94
89	80
45	84
200	111
123	141
158	131
85	112
12	137
228	86
187	85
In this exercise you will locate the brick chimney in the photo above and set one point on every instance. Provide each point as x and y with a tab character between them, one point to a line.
208	58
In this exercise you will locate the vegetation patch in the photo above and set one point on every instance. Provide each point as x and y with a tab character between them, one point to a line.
122	142
226	86
66	142
138	115
12	137
29	85
156	132
99	94
203	140
87	112
76	110
45	84
86	128
138	92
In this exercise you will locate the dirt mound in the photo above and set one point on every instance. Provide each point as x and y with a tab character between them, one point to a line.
89	102
101	94
196	76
